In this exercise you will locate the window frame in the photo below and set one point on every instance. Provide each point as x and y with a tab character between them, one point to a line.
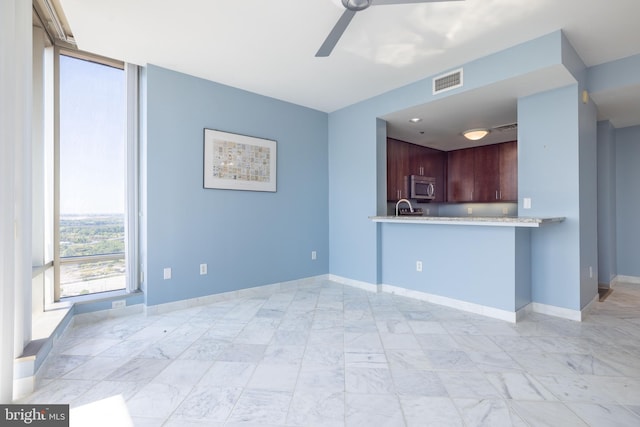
131	223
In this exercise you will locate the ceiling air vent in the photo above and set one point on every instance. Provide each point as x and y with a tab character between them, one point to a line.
507	127
447	81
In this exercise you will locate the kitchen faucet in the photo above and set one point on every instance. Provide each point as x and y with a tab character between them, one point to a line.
404	200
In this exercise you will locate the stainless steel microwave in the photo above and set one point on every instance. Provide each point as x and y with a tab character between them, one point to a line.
420	187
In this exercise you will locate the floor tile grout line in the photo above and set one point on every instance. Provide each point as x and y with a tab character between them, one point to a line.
566	331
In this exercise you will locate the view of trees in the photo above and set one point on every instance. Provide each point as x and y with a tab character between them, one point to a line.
91	235
83	235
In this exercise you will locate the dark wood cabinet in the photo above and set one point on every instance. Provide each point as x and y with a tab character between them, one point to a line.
460	175
486	168
405	159
483	174
397	167
425	161
509	171
480	174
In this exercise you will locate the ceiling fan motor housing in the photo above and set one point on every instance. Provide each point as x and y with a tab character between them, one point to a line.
356	5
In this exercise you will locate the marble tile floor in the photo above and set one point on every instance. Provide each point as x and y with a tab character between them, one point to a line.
333	355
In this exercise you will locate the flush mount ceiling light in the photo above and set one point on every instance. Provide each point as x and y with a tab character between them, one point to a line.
415	120
475	134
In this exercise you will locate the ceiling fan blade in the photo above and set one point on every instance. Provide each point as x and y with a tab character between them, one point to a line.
335	34
383	2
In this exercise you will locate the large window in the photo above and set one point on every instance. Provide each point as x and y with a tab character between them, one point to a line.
92	177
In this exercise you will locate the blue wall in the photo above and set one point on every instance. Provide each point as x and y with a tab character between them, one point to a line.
353	147
618	157
607	240
588	171
627	142
614	75
247	238
548	174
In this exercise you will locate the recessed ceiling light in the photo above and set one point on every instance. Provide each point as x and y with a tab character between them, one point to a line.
475	134
415	120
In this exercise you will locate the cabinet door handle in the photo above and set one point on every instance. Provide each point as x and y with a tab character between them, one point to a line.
497	195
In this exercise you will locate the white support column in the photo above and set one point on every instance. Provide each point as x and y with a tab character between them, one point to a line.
23	104
38	169
15	143
131	222
7	147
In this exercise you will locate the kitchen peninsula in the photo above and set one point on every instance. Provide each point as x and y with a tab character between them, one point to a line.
477	264
499	221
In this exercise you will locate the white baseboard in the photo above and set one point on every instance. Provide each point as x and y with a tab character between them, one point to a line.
264	290
634	280
552	310
484	310
564	313
495	313
354	283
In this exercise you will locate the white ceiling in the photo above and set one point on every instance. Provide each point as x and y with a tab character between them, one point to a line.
268	47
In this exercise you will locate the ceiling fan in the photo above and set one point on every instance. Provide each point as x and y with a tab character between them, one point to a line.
353	6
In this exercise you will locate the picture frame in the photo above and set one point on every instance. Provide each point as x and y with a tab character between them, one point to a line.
239	162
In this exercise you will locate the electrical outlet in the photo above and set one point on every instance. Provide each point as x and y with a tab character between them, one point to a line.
505	211
427	212
119	304
590	272
167	273
203	269
526	203
418	265
469	211
314	255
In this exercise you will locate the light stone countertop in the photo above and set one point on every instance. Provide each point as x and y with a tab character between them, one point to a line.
499	221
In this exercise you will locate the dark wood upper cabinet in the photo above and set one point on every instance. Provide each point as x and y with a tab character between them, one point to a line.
480	174
483	174
509	171
405	159
486	168
460	175
397	167
425	161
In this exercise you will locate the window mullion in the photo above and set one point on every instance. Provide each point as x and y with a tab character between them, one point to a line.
56	173
131	179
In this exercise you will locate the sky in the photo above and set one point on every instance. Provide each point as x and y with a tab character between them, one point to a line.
92	138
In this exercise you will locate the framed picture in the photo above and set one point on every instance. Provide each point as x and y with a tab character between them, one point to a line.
239	162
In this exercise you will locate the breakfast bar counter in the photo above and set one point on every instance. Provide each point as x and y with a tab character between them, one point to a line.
504	221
